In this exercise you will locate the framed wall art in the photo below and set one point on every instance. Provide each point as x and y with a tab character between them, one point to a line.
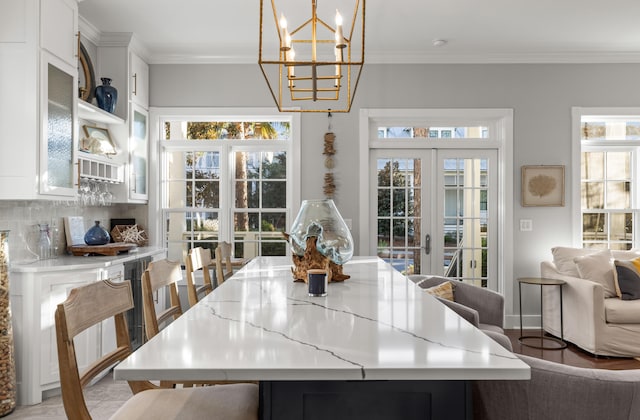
97	141
543	185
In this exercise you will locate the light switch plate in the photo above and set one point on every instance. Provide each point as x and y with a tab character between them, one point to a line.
526	225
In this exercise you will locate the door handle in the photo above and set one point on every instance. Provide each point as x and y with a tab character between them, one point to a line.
427	244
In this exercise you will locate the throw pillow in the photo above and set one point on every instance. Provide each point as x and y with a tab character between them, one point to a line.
627	279
443	290
599	268
563	259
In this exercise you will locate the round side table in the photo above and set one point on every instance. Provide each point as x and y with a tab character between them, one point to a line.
559	342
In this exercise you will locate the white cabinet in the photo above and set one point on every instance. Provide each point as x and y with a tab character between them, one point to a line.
54	289
115	273
129	73
58	35
38	43
139	87
118	60
36	290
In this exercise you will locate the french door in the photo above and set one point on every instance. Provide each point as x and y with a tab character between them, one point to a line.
435	211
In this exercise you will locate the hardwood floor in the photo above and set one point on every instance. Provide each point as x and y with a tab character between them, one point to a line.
572	355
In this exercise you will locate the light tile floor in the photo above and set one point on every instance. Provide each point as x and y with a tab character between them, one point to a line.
103	399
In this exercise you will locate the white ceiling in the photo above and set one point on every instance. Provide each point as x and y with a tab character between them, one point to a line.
477	31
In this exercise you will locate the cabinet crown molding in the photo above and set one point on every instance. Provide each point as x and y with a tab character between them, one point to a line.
124	39
88	30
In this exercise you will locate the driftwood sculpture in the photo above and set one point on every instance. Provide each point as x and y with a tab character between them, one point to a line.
313	259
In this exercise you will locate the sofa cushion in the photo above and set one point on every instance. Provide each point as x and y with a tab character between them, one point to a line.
444	290
618	311
598	267
627	279
563	258
625	255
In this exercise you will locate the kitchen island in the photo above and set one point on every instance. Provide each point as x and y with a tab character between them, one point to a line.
377	346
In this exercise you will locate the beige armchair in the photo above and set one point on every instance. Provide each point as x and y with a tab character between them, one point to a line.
483	308
557	391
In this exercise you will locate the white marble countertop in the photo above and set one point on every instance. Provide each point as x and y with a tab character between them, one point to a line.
260	325
70	262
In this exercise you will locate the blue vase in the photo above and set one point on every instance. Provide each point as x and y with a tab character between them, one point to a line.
107	95
97	235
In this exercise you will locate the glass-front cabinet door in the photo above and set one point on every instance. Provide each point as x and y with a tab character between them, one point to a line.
139	153
57	168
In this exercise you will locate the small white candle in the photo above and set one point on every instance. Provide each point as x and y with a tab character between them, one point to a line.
287	39
292	57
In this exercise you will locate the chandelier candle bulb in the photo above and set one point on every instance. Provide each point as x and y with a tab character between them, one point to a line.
286	38
339	35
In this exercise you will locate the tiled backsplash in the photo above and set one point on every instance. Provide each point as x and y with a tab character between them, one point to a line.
22	218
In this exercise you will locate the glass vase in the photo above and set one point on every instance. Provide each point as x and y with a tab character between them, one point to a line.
321	218
97	235
44	242
7	361
107	95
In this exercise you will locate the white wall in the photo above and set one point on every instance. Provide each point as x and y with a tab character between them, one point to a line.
540	94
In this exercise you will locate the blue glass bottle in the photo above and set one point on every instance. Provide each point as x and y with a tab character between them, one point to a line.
97	235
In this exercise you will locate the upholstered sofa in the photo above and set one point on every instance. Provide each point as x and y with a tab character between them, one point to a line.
557	391
595	318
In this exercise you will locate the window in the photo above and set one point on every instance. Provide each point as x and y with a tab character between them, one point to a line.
609	145
417	132
227	179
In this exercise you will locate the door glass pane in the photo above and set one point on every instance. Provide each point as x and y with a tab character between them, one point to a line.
465	219
399	199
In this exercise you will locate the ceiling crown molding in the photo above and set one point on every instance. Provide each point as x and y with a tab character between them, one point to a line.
203	59
407	57
568	57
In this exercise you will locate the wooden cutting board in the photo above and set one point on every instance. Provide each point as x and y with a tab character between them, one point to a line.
108	249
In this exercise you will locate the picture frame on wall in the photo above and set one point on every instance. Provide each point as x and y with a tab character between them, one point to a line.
543	185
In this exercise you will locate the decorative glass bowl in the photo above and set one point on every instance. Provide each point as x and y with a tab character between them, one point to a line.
321	219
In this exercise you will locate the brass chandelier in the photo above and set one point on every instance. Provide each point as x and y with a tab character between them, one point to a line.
312	66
